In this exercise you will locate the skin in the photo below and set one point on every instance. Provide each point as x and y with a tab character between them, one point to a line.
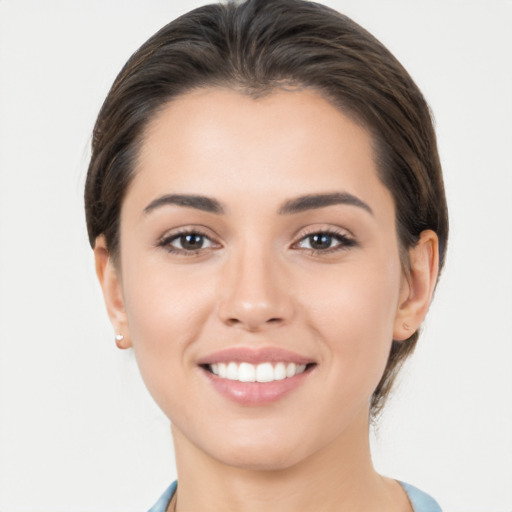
256	282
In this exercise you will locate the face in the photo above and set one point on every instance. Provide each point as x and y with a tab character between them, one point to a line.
259	274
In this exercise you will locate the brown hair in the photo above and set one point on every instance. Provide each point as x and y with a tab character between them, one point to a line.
254	47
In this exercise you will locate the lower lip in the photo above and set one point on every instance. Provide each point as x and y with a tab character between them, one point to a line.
256	393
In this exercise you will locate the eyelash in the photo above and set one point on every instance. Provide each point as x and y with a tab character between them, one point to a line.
344	242
166	242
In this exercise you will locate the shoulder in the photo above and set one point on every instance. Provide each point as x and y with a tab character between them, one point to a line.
163	501
420	501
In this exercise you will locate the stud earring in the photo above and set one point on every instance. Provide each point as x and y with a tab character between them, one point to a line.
119	337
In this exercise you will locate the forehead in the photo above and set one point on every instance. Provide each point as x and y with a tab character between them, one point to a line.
222	142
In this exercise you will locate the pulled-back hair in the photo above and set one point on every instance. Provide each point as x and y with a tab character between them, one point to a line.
254	47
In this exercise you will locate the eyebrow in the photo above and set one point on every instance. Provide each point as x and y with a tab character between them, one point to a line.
297	205
206	204
313	201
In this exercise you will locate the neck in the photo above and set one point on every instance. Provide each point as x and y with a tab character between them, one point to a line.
340	476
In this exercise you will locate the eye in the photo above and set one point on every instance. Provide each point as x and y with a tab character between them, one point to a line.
325	241
190	242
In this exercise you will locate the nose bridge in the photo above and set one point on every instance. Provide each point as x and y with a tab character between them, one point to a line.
254	293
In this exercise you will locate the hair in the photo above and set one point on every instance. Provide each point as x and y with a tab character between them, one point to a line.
255	47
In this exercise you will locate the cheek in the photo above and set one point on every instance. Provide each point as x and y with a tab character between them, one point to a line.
354	315
364	294
166	312
162	299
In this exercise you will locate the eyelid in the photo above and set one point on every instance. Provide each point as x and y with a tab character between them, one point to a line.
165	240
323	228
345	237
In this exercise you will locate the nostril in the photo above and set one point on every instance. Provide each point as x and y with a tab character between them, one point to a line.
253	314
251	325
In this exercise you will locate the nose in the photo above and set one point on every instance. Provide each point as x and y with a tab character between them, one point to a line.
255	292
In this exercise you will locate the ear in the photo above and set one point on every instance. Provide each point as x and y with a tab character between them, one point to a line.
110	282
418	286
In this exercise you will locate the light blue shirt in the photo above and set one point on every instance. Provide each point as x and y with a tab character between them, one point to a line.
421	502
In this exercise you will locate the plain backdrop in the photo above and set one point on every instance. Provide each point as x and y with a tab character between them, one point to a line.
78	431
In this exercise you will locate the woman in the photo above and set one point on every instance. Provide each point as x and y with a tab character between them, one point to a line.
266	208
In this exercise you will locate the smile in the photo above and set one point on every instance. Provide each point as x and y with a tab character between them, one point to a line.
252	376
263	372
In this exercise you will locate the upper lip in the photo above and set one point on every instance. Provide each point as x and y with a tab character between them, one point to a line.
254	356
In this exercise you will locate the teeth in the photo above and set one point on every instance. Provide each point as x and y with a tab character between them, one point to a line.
290	370
232	371
246	372
279	371
263	372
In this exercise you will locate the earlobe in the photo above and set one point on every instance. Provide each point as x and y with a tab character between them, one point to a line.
110	282
418	286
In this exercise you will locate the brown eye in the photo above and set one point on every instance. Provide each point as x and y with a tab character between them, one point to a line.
320	241
325	241
191	241
188	242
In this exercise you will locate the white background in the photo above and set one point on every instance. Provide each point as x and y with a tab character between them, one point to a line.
78	431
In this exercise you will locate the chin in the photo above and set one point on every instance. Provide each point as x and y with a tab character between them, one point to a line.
261	459
270	450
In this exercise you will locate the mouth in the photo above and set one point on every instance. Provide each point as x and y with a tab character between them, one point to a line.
263	372
256	377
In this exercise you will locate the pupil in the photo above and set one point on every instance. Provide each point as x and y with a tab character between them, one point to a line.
191	241
320	241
